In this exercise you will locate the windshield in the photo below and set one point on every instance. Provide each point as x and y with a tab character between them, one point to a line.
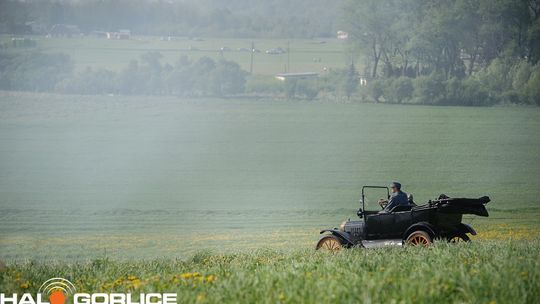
372	197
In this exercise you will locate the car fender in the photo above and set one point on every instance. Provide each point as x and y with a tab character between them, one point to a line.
344	236
425	226
464	228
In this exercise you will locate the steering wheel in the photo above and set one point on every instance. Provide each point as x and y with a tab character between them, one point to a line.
383	203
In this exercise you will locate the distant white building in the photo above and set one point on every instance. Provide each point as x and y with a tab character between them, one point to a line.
342	35
120	35
285	76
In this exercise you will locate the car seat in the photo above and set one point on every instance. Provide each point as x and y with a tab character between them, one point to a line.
411	200
400	208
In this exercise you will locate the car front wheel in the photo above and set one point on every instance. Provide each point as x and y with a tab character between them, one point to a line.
330	243
418	238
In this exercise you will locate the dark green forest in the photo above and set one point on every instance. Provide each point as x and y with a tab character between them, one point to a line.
470	52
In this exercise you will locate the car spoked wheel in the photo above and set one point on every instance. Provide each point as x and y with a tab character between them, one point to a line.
418	238
330	243
461	238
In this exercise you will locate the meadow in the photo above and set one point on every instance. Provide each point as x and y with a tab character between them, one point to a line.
306	55
482	272
222	200
144	177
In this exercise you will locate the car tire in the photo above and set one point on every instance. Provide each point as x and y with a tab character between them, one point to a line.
330	243
458	238
418	238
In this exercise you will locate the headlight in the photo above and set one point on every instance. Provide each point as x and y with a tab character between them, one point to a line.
342	226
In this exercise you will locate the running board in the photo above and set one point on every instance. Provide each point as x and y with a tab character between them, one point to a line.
382	243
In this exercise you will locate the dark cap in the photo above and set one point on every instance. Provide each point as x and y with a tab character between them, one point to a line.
397	185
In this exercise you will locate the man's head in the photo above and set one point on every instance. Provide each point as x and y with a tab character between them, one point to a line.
395	187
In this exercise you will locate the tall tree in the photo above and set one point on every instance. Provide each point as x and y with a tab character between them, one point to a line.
352	79
369	24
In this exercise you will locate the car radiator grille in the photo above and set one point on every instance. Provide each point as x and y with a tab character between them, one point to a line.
356	231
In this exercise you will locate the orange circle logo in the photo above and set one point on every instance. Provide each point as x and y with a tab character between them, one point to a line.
57	297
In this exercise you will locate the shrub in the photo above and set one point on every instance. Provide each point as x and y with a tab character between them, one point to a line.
227	78
264	85
331	81
454	92
475	94
398	90
376	89
429	89
290	87
351	81
307	88
33	71
532	89
90	82
513	97
520	75
496	77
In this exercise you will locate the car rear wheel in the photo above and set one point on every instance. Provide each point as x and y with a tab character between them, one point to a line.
330	243
418	238
459	238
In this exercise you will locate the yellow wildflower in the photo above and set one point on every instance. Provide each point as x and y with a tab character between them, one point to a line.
190	275
201	297
186	275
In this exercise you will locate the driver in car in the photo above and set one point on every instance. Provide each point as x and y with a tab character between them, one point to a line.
397	198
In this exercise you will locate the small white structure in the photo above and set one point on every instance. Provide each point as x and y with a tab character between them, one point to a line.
120	35
342	35
285	76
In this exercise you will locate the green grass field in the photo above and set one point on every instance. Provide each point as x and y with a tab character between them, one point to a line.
221	201
305	55
482	272
86	177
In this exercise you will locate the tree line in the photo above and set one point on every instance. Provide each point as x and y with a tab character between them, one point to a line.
189	18
55	72
448	51
42	72
205	77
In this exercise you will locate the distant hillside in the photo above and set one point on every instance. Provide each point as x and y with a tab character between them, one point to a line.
286	17
234	18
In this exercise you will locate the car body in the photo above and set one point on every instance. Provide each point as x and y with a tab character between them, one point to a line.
411	224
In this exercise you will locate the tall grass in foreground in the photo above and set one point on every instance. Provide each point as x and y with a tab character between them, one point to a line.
481	272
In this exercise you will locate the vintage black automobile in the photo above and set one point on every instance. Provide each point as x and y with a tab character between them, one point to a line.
406	225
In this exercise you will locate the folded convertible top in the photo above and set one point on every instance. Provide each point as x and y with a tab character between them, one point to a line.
463	205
